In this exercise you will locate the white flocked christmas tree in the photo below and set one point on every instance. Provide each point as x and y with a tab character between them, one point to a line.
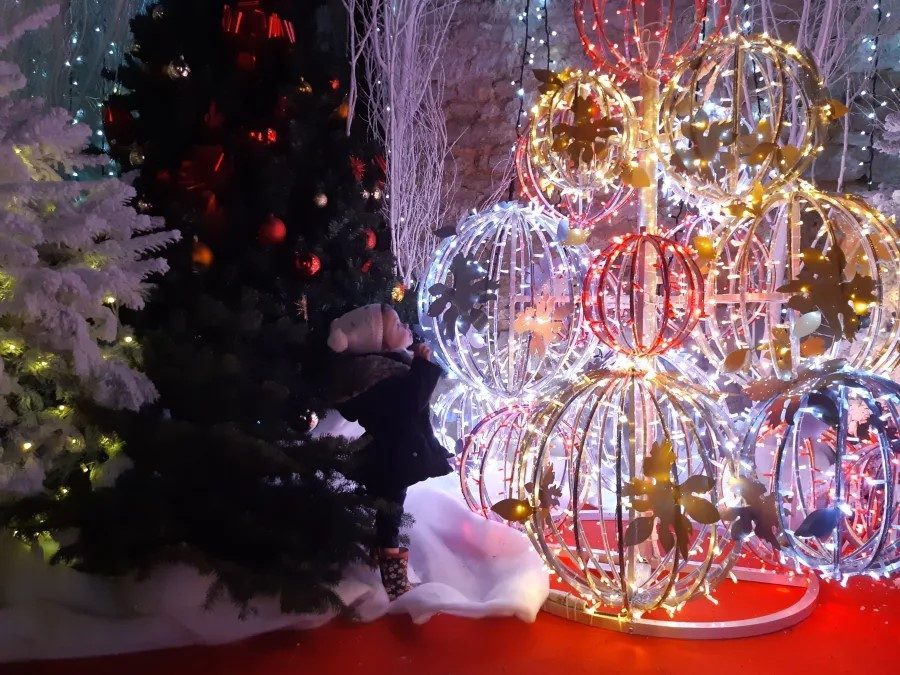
72	253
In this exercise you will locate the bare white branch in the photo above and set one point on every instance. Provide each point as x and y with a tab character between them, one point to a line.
401	43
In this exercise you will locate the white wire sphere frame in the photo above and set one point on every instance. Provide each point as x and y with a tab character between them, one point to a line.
817	321
643	482
766	128
455	412
494	453
531	329
826	455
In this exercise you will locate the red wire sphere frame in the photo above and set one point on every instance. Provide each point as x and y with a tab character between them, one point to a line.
627	316
627	53
582	213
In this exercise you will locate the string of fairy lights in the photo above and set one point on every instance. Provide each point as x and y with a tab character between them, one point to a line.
734	125
873	59
68	63
531	43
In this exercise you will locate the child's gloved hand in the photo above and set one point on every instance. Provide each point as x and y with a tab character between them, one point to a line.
422	350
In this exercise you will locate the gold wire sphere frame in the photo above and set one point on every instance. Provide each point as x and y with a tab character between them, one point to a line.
583	137
618	421
583	210
819	474
741	114
859	303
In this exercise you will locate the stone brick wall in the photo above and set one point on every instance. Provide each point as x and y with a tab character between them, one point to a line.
483	58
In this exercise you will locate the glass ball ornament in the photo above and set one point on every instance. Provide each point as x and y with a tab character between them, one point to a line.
812	277
643	295
826	475
634	37
136	156
643	486
454	413
178	69
320	199
307	264
492	456
743	115
501	302
581	141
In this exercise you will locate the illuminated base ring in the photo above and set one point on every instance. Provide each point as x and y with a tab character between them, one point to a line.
573	608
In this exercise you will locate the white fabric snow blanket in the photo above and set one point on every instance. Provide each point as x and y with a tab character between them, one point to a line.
466	566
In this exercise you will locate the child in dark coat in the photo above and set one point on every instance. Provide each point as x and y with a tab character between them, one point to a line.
379	384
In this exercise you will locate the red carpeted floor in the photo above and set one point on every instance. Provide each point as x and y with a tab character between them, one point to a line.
853	630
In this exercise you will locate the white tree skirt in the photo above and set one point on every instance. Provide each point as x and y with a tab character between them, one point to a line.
467	566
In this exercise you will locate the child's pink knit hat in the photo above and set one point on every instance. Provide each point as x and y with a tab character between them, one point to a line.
359	331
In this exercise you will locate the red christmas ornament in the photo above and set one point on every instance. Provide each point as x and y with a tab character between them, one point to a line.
273	231
335	84
643	295
307	264
370	238
649	42
366	267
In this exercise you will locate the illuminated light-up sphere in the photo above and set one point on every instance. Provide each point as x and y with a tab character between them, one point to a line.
501	301
831	254
582	137
643	295
826	451
583	210
455	413
644	465
743	111
492	456
635	37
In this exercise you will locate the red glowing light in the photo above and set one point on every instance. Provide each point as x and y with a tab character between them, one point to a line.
636	54
643	295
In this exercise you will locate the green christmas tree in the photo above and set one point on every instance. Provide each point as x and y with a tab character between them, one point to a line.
234	115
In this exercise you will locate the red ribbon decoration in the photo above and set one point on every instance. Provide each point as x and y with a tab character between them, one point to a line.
247	19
